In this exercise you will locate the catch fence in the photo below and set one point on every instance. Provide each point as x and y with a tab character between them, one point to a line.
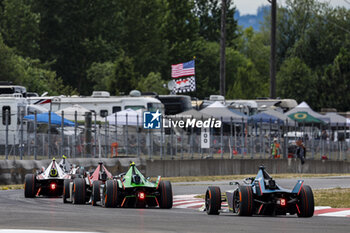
93	136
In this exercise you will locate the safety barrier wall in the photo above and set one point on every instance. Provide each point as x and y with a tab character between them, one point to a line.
212	167
14	171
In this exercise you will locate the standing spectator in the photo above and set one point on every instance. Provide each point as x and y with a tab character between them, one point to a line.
301	150
324	135
275	149
132	144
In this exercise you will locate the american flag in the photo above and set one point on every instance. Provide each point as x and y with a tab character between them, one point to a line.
182	69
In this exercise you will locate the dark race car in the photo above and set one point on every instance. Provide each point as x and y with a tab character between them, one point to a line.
49	181
132	189
86	189
261	195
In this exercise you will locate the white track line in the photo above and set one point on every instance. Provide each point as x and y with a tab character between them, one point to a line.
189	205
187	202
38	231
343	213
322	207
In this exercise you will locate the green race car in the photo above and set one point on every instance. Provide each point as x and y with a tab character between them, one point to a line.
132	189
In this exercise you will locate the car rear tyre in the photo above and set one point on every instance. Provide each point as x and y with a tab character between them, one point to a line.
95	196
78	191
243	201
29	186
166	195
110	194
66	193
306	202
213	200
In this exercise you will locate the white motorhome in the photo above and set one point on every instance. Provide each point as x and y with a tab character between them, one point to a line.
283	105
15	106
100	102
212	99
247	107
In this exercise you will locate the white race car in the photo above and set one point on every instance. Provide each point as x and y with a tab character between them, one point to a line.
49	181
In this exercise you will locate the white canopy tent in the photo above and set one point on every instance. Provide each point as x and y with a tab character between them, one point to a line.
31	108
69	113
192	113
126	117
218	111
304	107
336	119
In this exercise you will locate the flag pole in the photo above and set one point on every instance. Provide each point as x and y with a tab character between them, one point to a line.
194	58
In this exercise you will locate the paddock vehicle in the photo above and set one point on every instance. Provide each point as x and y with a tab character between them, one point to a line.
49	181
261	195
132	189
86	188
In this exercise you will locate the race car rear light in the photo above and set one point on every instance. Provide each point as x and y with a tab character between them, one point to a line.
283	202
141	195
52	186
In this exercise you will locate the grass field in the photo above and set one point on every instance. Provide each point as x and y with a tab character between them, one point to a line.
336	198
240	177
12	186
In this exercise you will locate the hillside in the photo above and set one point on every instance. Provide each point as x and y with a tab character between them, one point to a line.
252	20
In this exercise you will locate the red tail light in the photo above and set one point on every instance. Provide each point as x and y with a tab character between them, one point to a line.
283	202
142	195
52	186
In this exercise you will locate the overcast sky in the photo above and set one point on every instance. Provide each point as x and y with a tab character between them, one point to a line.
250	6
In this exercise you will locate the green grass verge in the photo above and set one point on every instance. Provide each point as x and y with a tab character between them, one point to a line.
240	177
336	198
12	186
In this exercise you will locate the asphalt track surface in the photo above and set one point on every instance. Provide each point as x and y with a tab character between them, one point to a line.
16	212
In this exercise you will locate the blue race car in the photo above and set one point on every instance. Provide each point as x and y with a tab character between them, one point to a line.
261	195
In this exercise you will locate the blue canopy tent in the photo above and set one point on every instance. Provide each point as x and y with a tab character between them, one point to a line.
265	118
44	118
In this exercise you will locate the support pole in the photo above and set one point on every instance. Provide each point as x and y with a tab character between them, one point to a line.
75	133
88	134
49	137
7	133
95	137
273	49
35	135
21	146
62	134
223	47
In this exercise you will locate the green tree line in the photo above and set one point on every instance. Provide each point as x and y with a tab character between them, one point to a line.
77	46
